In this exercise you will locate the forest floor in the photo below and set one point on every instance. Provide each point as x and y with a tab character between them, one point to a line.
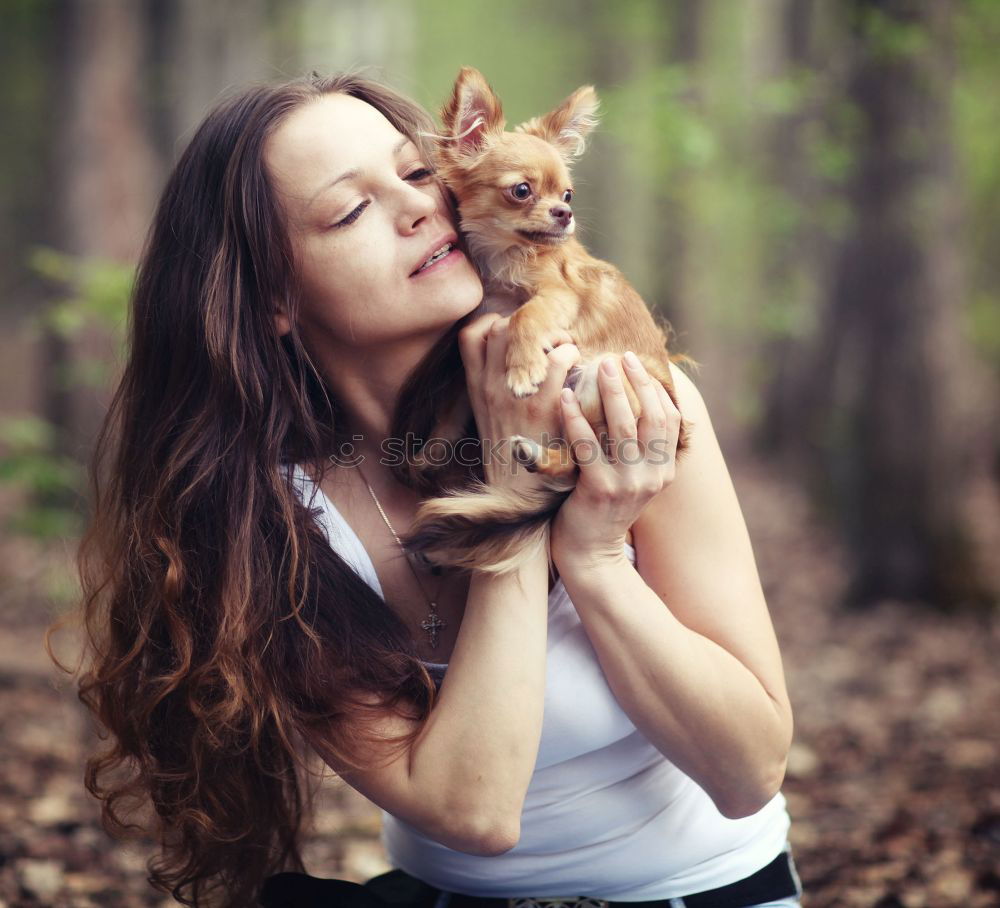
893	783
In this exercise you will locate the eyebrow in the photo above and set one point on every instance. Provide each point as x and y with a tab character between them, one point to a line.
356	172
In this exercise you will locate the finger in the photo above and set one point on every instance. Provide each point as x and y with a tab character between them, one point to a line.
669	407
561	360
477	329
497	341
617	410
672	430
579	434
472	342
652	422
561	337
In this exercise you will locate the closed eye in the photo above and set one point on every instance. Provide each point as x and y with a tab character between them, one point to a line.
421	173
353	216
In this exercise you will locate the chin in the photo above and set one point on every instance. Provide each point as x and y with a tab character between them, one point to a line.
464	294
444	302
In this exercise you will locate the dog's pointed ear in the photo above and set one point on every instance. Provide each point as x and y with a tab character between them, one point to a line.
568	126
471	116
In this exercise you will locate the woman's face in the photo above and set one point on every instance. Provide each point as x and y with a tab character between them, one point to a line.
363	215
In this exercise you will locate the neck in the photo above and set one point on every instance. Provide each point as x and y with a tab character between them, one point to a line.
366	382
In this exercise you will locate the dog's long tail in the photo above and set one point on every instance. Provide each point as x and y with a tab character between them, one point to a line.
485	528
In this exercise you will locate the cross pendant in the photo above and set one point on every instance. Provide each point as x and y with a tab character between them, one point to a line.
432	624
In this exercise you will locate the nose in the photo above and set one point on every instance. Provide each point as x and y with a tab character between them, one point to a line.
418	204
563	214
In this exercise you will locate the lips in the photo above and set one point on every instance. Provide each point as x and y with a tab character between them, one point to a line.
434	247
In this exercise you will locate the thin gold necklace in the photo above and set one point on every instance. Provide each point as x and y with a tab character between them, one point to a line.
433	622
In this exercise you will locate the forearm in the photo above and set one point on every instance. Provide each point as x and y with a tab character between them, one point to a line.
478	748
695	701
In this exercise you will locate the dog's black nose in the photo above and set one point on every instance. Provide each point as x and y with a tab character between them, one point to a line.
563	214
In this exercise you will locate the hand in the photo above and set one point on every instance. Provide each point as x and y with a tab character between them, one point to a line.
499	414
615	484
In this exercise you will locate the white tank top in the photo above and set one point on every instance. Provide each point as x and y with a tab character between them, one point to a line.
606	814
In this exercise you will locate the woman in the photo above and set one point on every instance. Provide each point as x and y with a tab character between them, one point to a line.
621	736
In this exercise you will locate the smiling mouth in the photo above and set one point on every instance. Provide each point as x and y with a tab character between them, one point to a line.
541	236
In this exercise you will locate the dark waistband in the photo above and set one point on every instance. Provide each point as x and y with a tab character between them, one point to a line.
397	889
769	884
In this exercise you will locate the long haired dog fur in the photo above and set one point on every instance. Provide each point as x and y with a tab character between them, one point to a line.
513	191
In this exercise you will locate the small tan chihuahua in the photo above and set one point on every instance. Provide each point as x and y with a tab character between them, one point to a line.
513	191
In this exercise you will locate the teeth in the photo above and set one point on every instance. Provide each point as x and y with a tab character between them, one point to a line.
441	253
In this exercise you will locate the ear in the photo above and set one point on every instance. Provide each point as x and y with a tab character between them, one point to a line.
472	115
282	325
569	124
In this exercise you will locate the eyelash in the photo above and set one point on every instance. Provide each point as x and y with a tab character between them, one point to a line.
421	173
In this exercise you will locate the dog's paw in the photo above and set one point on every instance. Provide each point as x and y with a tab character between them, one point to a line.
523	380
519	383
526	371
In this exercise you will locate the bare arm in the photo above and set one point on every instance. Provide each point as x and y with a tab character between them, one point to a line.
686	642
464	779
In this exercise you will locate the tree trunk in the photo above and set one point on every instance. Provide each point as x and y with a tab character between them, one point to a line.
683	48
789	276
211	48
615	201
891	376
103	183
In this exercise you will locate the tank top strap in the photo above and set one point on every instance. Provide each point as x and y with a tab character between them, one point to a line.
339	533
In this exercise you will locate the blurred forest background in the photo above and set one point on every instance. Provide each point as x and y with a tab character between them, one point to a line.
808	189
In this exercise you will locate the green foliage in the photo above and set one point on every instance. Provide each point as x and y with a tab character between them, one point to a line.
96	293
524	49
983	325
832	139
786	95
890	38
977	134
94	298
679	135
52	483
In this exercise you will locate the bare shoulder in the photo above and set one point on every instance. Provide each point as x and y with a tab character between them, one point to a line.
700	502
692	404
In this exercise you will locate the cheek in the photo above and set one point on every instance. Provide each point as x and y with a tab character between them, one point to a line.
438	191
360	302
343	270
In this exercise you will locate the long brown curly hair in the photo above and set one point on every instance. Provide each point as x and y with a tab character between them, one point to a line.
221	627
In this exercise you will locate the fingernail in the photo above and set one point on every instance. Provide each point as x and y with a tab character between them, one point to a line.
566	395
608	366
632	361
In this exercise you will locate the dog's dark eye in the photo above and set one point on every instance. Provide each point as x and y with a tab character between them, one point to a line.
521	191
568	196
